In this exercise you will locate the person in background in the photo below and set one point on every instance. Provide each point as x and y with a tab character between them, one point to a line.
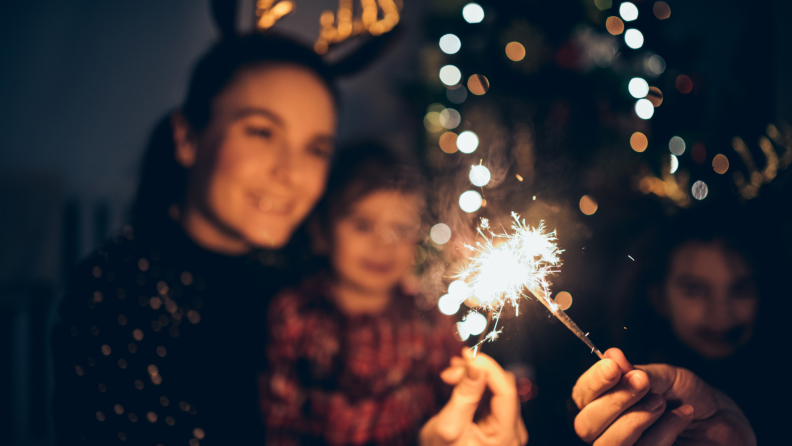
352	359
702	312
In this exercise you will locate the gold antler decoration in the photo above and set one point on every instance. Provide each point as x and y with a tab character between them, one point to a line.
773	163
337	27
270	11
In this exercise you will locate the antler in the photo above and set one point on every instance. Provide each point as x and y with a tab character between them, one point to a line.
336	28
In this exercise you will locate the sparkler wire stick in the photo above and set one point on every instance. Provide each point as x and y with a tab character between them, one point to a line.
507	265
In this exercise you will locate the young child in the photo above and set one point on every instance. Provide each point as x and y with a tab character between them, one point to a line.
352	360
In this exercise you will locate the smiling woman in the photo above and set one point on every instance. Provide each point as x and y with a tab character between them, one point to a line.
163	323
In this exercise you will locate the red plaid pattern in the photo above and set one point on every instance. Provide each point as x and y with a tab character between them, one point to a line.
336	379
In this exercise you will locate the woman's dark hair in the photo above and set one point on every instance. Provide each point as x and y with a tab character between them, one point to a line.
359	170
163	180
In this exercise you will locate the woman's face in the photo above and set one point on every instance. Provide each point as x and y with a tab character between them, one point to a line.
710	299
261	163
373	247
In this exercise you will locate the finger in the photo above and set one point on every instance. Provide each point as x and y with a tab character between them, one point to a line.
626	430
618	356
504	405
455	371
597	380
668	427
522	432
595	417
460	408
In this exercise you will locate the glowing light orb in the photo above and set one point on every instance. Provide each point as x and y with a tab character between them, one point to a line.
462	329
644	108
457	95
448	304
515	51
479	175
638	87
628	11
475	323
720	163
655	64
639	142
467	142
674	165
473	13
449	118
563	300
459	289
440	233
470	201
450	75
588	205
450	44
633	38
699	190
676	145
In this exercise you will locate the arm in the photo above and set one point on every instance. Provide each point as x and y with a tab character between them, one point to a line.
620	404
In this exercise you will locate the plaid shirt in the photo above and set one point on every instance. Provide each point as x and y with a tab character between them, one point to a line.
336	379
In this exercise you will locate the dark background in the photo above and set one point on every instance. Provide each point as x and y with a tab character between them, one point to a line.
83	82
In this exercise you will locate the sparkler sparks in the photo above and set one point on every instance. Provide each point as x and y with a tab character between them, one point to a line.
506	266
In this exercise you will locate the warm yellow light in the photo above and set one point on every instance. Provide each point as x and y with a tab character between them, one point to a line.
614	25
720	164
588	205
515	51
639	142
478	84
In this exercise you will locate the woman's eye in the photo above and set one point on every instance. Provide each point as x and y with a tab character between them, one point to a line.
259	132
320	152
363	226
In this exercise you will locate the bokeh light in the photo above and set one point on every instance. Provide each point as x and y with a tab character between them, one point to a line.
720	163
638	87
628	11
633	38
450	75
467	142
515	51
603	4
478	84
684	84
448	142
588	205
674	164
661	10
479	175
639	142
475	323
432	122
699	190
644	108
440	233
450	44
448	305
470	201
655	64
677	145
473	13
449	118
614	25
655	96
457	95
563	300
459	289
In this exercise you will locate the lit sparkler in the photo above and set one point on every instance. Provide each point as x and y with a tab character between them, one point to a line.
506	266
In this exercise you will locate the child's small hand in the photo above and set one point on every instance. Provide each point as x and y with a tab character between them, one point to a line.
454	424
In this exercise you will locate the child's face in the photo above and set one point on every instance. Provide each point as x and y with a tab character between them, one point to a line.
710	299
374	244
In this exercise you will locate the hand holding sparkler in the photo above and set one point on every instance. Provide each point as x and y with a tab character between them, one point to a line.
622	404
507	265
454	424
